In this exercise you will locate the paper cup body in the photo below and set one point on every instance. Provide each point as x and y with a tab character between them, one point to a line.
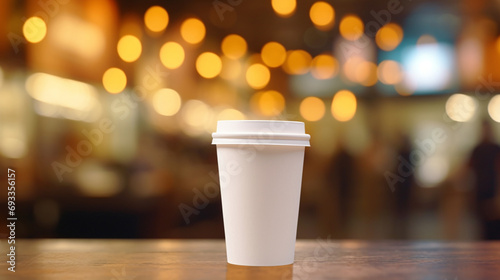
260	171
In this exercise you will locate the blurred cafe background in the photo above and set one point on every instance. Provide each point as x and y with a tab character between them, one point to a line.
107	109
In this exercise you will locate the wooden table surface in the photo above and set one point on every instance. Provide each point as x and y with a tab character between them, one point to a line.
206	259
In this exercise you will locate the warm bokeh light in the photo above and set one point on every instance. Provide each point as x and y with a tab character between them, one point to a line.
230	114
460	107
193	30
389	36
234	46
231	69
268	103
172	55
114	80
12	147
351	27
390	72
76	99
129	48
344	105
494	108
284	8
432	172
322	15
312	108
350	67
366	73
34	29
426	39
166	102
208	65
196	113
402	89
297	62
94	180
82	38
156	19
324	66
273	54
258	76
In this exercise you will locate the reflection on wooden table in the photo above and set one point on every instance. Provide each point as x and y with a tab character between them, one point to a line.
206	259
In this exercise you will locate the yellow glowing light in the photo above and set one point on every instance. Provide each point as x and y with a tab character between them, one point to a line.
60	97
297	62
460	107
284	8
94	180
208	65
12	147
230	114
350	67
258	76
193	30
494	108
273	54
234	46
344	105
312	109
322	15
389	72
389	36
114	80
324	66
268	103
166	102
196	113
351	27
366	73
78	36
231	69
34	29
156	19
129	48
171	55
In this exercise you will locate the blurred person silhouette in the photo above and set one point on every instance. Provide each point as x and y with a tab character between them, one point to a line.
485	165
403	190
373	195
341	177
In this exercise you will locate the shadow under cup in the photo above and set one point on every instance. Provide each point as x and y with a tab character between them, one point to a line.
260	170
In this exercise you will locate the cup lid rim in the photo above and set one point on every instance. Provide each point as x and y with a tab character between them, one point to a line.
260	121
245	135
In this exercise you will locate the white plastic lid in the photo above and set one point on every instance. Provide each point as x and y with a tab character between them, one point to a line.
261	132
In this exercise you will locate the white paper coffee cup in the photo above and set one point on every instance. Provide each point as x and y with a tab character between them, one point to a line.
260	170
